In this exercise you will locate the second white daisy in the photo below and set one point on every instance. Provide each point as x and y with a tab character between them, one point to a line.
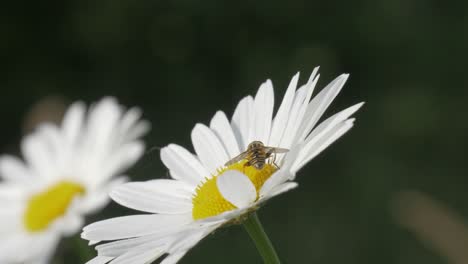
66	174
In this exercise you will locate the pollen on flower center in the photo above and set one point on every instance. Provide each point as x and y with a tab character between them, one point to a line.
208	201
44	207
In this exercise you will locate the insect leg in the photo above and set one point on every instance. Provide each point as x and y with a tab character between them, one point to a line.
273	161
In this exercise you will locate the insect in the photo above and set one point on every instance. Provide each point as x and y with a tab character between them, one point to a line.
257	154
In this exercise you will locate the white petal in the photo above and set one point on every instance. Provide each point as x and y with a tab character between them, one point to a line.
236	188
120	160
38	156
120	247
332	121
130	125
98	198
134	225
42	249
138	256
323	130
140	249
11	192
13	169
93	242
242	122
263	111
318	144
100	133
185	242
10	215
289	132
281	189
276	179
310	86
73	122
220	125
138	130
149	248
174	257
183	165
24	248
298	109
208	148
58	149
10	249
282	116
103	120
157	196
222	218
71	224
52	137
99	260
319	104
46	151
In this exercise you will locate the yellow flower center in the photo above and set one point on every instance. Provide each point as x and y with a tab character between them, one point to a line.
208	201
43	208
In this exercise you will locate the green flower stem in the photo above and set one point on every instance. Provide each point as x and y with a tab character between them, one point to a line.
261	240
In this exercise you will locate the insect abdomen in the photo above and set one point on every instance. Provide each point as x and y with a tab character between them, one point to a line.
258	159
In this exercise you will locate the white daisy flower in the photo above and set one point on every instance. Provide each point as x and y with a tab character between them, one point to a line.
66	174
207	191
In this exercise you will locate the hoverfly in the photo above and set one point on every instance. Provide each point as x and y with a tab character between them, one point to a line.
257	154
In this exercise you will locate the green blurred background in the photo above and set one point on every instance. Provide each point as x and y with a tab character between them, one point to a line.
181	60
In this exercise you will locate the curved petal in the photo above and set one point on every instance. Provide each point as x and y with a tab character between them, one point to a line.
131	127
13	169
300	116
118	161
120	247
242	122
279	189
208	148
103	120
38	156
276	179
282	116
297	112
263	111
134	225
157	196
325	134
320	103
72	123
236	188
185	242
99	197
140	256
220	125
313	148
183	165
289	133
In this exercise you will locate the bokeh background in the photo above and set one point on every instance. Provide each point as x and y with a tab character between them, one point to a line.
182	60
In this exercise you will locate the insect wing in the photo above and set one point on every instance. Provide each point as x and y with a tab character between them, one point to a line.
275	150
237	158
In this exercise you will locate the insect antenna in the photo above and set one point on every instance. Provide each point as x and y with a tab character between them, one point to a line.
152	149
